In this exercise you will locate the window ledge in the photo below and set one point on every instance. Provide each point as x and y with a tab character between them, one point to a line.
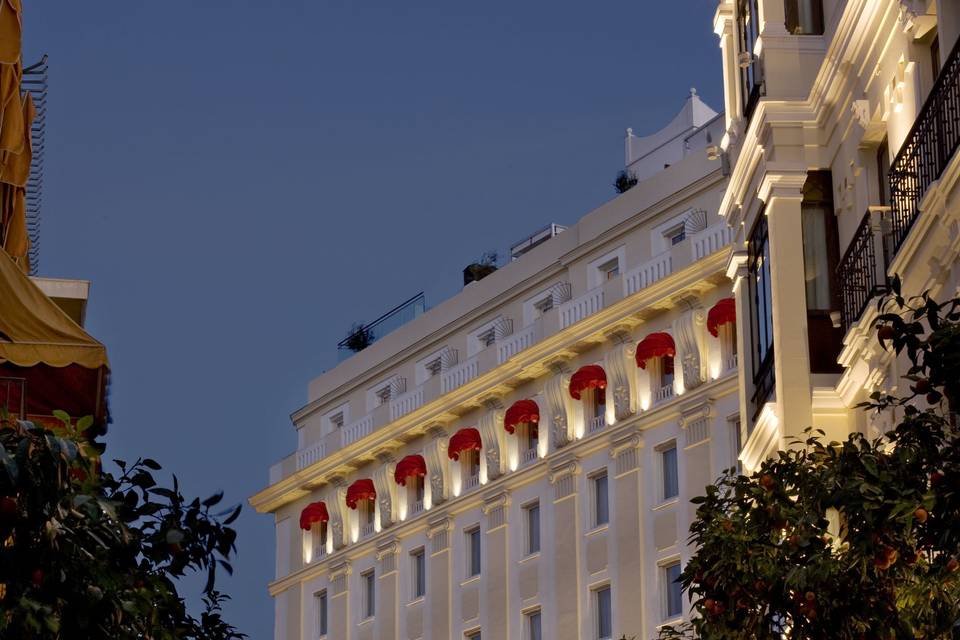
417	600
470	580
597	530
665	504
529	557
366	621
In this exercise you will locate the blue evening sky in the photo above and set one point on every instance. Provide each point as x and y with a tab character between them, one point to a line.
243	180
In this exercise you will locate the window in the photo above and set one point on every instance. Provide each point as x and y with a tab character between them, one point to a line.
433	367
761	314
804	17
418	565
676	235
736	444
609	270
415	489
604	617
601	505
320	605
531	437
487	338
471	463
472	635
751	69
383	395
318	541
473	552
532	518
935	57
883	172
544	305
672	591
668	466
336	421
367	579
666	371
534	631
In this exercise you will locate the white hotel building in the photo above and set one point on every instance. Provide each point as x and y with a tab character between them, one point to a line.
518	461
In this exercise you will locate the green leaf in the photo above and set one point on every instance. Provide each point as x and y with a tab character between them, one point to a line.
84	423
62	416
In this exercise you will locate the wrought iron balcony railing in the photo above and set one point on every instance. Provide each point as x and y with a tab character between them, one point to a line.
927	149
862	271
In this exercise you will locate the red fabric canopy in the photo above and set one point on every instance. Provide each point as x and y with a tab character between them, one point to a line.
720	314
592	376
521	412
467	439
655	345
360	490
313	512
410	466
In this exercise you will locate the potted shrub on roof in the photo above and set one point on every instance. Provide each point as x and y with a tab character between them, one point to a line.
480	269
358	338
625	181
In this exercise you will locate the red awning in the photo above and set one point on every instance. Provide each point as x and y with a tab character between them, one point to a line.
720	314
410	466
313	512
655	345
521	412
592	376
360	490
467	439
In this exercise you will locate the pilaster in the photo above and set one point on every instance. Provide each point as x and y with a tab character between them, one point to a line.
438	603
388	590
495	594
565	549
626	541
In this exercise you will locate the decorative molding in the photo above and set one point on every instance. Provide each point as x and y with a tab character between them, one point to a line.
435	455
448	358
689	331
387	551
763	441
861	112
338	512
563	476
561	292
495	508
438	532
620	382
555	392
339	573
386	488
695	420
502	327
493	436
782	185
625	451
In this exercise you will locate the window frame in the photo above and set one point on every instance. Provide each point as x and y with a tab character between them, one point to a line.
418	574
528	617
595	478
532	528
760	300
750	77
472	536
369	594
666	585
662	451
598	627
321	613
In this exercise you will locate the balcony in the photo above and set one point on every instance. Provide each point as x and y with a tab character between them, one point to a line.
367	530
926	151
13	397
514	344
596	424
649	272
311	454
730	363
528	456
573	311
416	507
471	482
358	429
862	271
664	393
710	240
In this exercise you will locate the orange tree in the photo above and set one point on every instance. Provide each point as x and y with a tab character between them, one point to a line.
854	539
89	554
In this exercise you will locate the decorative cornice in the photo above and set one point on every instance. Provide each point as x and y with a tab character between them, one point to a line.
438	524
782	185
695	411
632	440
387	547
568	466
496	500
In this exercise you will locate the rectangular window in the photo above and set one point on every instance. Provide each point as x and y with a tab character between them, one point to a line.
672	590
935	57
383	395
609	270
736	442
369	594
487	338
751	68
534	631
418	564
532	512
601	506
433	367
604	613
676	235
883	172
544	305
473	552
804	17
472	635
320	603
668	464
336	421
761	316
666	371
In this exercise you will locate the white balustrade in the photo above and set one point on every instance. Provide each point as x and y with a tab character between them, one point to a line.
514	344
406	403
710	240
308	455
581	307
459	375
597	423
366	530
731	362
528	456
471	482
646	274
664	393
358	429
416	507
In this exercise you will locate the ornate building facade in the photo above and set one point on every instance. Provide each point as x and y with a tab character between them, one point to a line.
517	462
